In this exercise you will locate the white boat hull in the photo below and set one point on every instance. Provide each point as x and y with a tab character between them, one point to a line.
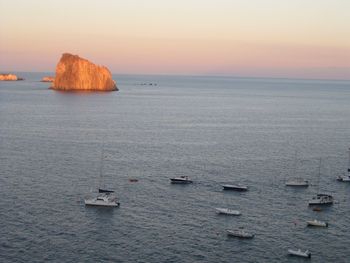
299	253
317	223
105	200
226	211
101	203
239	234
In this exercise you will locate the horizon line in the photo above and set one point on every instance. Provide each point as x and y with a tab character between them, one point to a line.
196	75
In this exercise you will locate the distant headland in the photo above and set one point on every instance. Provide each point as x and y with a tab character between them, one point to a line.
74	73
9	77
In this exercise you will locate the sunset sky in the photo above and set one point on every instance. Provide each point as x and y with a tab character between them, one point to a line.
258	38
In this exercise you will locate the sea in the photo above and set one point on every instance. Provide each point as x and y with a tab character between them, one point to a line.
57	148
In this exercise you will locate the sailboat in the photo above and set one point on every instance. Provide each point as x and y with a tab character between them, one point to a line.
105	197
297	182
345	177
321	199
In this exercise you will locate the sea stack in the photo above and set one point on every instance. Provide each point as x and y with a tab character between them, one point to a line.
74	73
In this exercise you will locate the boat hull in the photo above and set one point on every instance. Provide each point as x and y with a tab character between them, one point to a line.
317	224
297	184
225	211
299	253
231	233
235	188
180	181
104	204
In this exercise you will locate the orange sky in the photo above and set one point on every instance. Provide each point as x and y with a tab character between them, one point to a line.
269	38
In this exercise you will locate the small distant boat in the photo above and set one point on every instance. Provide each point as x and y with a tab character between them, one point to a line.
299	253
240	233
317	209
227	211
104	199
298	183
181	180
345	178
132	180
235	187
317	223
321	199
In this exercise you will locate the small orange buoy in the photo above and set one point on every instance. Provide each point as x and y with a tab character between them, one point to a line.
317	209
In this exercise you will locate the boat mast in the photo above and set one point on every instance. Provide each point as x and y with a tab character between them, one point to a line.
295	164
101	166
319	176
349	162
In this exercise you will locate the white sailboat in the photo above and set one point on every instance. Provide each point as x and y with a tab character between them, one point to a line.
345	177
105	197
321	199
297	182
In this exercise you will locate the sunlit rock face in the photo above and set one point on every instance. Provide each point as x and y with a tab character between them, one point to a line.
8	77
75	73
48	79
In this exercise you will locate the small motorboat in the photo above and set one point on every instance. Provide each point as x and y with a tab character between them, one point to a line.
321	199
343	178
103	199
227	211
299	253
235	187
181	180
317	223
298	183
240	233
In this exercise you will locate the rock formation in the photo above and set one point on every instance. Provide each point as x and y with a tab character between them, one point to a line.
75	73
48	79
9	77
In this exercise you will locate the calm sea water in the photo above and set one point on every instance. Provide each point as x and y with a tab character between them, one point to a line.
215	130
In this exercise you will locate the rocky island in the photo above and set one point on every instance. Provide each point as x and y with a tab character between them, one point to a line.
9	77
74	73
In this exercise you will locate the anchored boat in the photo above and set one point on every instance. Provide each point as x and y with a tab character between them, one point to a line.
298	183
181	180
299	253
345	177
227	211
321	199
317	223
103	199
235	187
240	233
